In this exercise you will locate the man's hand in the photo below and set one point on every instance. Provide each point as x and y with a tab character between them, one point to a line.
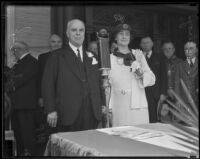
103	109
169	92
165	110
41	102
52	119
162	98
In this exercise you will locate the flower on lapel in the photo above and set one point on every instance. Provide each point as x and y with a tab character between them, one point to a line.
91	55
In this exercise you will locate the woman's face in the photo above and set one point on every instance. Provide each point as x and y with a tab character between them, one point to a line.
123	38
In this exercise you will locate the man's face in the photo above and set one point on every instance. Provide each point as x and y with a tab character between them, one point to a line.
17	50
113	47
168	50
146	44
76	33
123	37
93	47
55	42
190	49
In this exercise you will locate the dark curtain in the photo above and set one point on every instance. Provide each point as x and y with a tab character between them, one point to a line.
180	32
179	35
60	15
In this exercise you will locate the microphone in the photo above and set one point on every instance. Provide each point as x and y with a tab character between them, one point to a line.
103	49
105	67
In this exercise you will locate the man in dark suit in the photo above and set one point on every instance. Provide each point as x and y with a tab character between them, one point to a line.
155	64
170	61
188	71
92	46
55	42
24	98
71	84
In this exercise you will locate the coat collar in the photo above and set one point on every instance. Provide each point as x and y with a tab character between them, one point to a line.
187	67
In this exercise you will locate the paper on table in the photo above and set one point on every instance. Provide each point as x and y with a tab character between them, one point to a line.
159	138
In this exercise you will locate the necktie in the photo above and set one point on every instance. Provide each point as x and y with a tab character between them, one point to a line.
79	55
191	63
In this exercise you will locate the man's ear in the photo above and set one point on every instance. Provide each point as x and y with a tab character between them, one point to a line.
67	34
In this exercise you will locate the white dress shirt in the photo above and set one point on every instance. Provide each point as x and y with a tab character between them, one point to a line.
148	54
24	55
193	60
74	48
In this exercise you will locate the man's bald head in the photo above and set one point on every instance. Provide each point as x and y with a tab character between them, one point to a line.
55	42
76	32
19	48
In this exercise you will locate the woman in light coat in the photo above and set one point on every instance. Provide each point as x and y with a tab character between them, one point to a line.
129	75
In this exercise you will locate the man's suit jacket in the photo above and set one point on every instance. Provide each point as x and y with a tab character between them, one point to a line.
24	95
188	75
153	92
42	59
169	79
63	87
156	64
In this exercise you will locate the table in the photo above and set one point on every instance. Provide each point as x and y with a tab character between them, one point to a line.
99	143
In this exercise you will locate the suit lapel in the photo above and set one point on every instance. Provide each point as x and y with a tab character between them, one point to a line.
151	60
186	67
70	57
20	63
195	67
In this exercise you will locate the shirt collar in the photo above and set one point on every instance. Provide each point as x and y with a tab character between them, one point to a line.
148	54
74	48
193	59
24	55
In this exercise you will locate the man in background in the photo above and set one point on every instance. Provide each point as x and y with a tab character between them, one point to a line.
188	71
171	61
92	47
23	94
55	42
156	65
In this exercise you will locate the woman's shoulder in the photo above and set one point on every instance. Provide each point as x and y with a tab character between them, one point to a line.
112	56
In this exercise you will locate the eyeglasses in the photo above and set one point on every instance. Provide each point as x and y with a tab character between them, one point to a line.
190	48
15	49
168	48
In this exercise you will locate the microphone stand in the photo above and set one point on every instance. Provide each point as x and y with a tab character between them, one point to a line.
107	91
105	67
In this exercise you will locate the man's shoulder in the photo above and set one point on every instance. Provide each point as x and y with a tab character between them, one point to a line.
179	60
157	57
43	55
59	51
181	64
29	60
